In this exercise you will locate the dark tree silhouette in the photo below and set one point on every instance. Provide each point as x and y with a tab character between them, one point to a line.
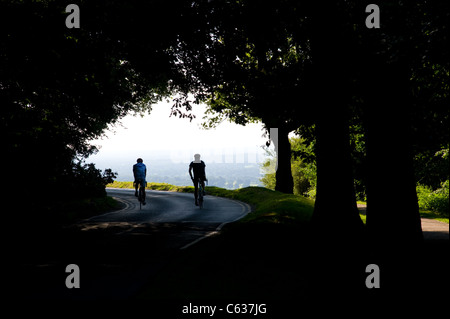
60	87
413	37
286	63
245	63
335	208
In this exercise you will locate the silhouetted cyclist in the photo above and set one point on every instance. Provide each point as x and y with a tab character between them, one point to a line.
140	173
198	167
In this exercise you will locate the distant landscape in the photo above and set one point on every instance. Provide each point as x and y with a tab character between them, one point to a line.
164	170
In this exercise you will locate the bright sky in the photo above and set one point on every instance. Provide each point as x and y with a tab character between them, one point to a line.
159	134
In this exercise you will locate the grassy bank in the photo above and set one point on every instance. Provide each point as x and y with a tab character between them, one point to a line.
250	258
154	186
433	215
48	216
74	210
268	255
85	208
268	206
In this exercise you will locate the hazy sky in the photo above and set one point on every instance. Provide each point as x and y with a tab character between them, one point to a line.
159	135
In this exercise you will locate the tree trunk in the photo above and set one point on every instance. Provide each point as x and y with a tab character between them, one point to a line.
335	207
335	210
284	180
392	206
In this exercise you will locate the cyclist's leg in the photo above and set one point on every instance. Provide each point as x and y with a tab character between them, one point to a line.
138	189
145	194
143	191
196	190
202	181
136	186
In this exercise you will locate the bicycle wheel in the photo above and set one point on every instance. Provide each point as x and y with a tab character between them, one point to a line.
200	197
140	199
141	196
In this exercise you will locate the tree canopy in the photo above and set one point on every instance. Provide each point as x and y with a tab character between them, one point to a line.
287	63
61	87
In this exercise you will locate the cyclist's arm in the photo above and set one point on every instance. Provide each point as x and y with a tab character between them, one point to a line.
190	171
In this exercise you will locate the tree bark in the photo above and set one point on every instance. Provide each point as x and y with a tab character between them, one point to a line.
392	206
284	180
335	210
335	207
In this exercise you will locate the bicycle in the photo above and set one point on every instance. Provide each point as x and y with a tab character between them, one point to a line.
200	194
141	194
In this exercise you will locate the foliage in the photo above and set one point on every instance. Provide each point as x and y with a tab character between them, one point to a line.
359	156
268	168
60	87
302	165
434	200
432	167
85	180
430	85
250	71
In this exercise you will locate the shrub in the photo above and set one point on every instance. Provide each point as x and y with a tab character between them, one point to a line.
85	180
303	169
436	201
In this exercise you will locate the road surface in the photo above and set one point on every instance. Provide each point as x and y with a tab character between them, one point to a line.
172	207
118	252
165	210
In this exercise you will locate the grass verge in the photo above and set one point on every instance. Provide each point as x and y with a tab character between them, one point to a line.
423	214
68	212
154	186
269	255
433	215
46	219
250	258
85	208
268	206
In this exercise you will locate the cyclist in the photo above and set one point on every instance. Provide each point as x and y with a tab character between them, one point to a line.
198	167
140	173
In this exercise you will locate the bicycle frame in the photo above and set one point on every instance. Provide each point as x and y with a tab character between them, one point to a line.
200	191
200	195
141	194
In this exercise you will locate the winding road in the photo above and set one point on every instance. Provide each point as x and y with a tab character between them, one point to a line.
119	251
163	207
166	210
